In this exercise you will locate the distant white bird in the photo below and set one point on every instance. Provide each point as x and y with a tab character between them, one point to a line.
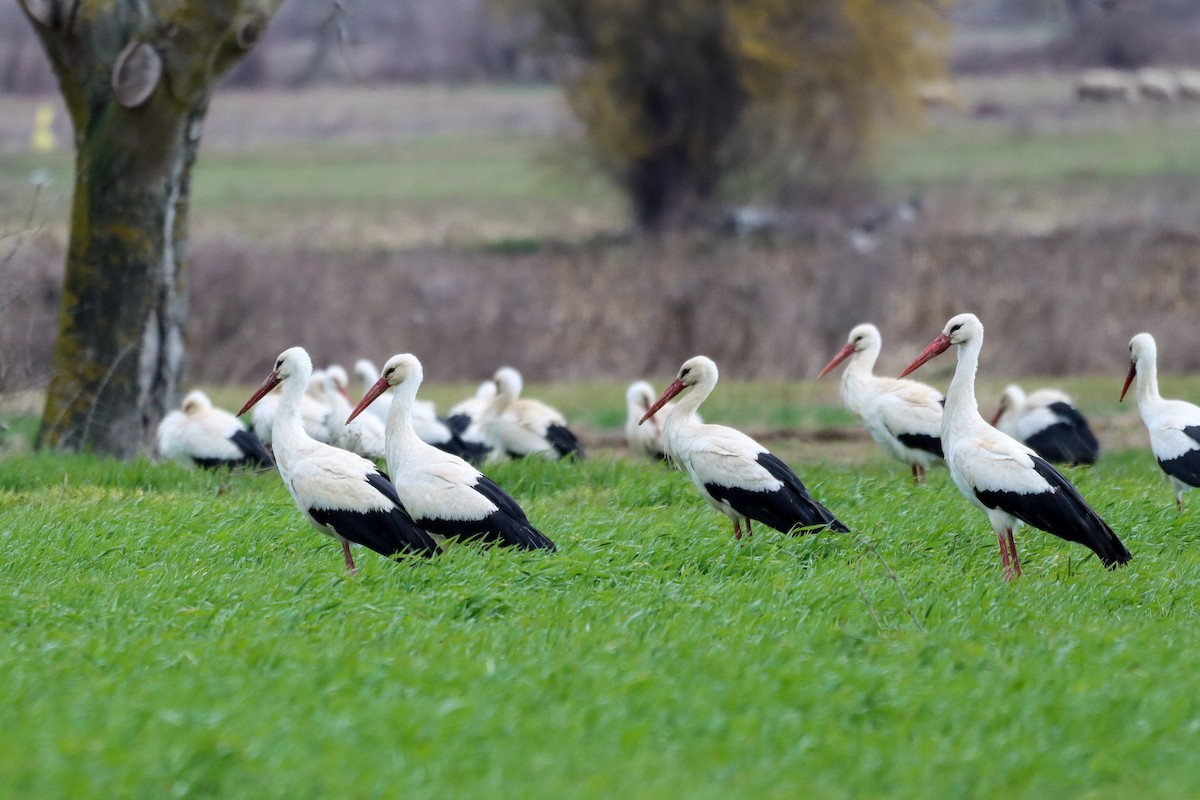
516	426
999	475
341	494
1173	425
903	417
644	440
365	434
209	437
734	473
1047	421
444	494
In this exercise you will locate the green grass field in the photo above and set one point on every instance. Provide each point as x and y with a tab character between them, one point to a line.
170	633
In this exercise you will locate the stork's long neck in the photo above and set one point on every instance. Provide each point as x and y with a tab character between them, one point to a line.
287	431
398	433
689	402
962	409
857	377
1147	381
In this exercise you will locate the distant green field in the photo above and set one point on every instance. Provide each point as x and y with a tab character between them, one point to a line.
169	633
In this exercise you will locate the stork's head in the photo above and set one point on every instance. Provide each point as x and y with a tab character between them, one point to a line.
862	337
293	364
338	377
1011	401
960	329
639	395
195	402
508	382
697	369
402	371
1142	350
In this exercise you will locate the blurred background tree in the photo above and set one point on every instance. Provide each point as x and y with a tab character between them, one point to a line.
679	99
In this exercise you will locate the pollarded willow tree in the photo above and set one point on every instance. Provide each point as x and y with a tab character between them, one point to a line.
675	97
136	78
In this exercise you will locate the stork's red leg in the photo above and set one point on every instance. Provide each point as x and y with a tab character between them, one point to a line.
921	471
737	529
1008	576
349	558
1012	547
916	479
749	530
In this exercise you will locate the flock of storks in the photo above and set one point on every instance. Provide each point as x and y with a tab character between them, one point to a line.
433	491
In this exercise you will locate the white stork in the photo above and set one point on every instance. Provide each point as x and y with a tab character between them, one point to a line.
364	435
999	475
445	495
734	473
425	421
516	426
209	437
903	417
1047	421
342	494
644	440
1173	425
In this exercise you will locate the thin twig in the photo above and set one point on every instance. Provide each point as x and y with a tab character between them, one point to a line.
871	546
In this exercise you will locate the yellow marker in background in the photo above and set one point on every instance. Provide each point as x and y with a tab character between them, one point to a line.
42	140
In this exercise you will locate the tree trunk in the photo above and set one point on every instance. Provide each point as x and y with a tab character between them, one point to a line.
136	78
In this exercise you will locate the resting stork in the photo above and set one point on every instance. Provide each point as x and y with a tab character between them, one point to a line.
1002	477
734	473
209	437
341	494
517	426
1047	421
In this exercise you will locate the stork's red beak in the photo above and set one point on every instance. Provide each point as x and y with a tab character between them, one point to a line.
841	356
996	417
267	385
377	388
1128	380
938	346
675	388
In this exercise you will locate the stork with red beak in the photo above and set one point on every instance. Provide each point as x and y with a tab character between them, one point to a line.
1173	425
1002	477
903	417
644	440
341	494
445	495
734	473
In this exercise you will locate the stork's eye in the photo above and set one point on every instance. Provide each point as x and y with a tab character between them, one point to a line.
279	363
954	329
684	372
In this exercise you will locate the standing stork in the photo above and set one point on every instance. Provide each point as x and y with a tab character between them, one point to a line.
209	437
734	473
1047	421
342	495
1173	425
903	417
445	495
517	426
364	435
1002	477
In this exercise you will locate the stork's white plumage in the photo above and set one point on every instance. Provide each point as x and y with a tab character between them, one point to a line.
903	417
734	473
341	494
1173	425
209	437
999	475
516	426
365	434
444	494
1047	421
644	440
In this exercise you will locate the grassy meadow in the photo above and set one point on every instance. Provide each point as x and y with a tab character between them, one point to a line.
170	633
